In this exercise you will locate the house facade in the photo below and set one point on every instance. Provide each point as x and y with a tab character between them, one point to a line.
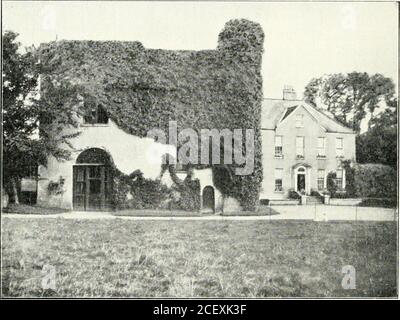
301	145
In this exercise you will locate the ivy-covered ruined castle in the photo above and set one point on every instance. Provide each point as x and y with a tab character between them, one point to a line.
126	91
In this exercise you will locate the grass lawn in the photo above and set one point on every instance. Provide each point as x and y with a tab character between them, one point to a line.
31	209
125	258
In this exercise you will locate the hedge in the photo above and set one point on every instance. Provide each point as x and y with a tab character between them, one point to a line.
371	181
144	89
135	192
383	203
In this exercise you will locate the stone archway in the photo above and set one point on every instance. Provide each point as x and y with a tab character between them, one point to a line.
300	185
208	199
301	177
92	181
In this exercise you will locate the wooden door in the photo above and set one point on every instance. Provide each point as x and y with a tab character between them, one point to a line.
301	182
208	199
95	188
79	188
92	188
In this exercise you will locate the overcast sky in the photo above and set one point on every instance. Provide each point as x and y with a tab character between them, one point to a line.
303	40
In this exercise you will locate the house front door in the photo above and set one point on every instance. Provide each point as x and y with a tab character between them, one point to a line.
91	190
301	182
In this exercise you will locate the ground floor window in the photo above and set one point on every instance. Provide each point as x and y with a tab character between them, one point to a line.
278	179
29	185
96	115
339	178
321	179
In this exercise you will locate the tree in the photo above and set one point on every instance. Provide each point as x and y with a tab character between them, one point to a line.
330	183
379	143
351	97
34	120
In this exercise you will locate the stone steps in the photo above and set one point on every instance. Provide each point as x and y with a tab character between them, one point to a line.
311	200
283	202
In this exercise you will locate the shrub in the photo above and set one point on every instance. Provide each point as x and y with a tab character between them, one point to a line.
376	202
148	194
366	181
189	196
330	183
341	194
375	181
55	188
293	194
133	191
320	193
187	192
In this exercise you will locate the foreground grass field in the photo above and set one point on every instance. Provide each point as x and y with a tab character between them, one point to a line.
124	258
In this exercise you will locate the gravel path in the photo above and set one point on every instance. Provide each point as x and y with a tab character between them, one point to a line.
316	213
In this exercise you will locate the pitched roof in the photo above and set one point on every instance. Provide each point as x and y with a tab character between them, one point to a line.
289	110
275	110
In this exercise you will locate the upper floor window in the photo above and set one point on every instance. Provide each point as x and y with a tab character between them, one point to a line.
300	147
321	147
339	147
321	179
278	179
299	120
278	146
96	115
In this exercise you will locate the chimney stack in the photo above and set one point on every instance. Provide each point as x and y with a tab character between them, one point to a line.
289	93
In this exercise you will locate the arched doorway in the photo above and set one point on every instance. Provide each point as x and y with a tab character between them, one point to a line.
92	181
301	185
208	199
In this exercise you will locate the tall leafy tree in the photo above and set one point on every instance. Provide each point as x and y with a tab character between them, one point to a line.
351	97
379	143
34	119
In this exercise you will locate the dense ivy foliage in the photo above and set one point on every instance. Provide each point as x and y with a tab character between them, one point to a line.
185	193
136	192
188	190
133	191
144	89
